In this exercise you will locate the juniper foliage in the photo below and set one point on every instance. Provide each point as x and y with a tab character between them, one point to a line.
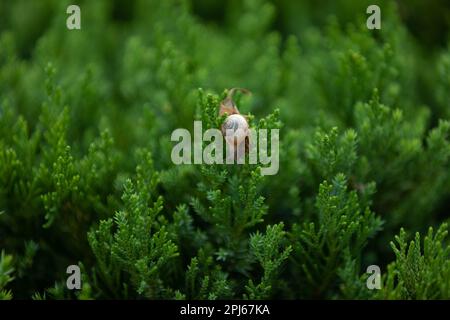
86	176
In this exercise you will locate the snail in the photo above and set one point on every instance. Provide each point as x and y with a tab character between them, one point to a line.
235	128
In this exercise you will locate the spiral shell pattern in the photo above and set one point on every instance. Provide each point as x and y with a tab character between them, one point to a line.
235	129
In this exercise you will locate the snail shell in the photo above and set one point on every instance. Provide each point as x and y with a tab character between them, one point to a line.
235	128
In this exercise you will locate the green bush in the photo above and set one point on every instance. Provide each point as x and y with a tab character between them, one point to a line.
86	175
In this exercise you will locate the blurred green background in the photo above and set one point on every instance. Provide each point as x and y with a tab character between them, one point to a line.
133	71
